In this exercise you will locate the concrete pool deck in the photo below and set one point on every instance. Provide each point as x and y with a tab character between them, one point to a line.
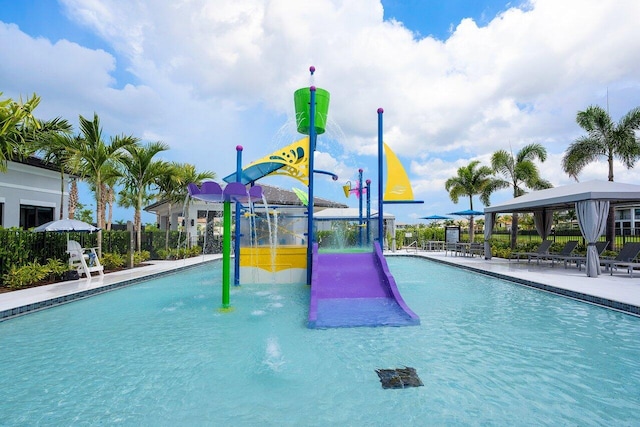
619	292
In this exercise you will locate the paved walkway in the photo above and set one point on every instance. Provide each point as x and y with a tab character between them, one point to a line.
619	291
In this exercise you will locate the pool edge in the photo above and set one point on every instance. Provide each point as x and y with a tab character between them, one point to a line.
12	313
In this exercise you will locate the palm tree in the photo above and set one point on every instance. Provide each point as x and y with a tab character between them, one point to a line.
470	182
173	186
520	172
140	171
52	144
92	156
604	139
17	128
128	198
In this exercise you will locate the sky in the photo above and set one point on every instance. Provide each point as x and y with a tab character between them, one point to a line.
458	80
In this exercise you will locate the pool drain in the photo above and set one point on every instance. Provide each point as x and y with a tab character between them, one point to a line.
399	377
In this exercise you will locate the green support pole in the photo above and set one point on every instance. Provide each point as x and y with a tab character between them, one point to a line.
226	255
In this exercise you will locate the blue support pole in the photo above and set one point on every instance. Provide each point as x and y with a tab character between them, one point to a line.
380	183
360	207
312	149
236	246
368	211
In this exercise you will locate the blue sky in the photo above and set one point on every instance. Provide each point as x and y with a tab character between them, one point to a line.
458	79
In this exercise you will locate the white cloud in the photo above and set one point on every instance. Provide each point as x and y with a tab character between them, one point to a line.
212	73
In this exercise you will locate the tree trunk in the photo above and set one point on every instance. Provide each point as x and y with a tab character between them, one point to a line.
514	230
73	198
110	200
62	193
166	234
137	221
611	228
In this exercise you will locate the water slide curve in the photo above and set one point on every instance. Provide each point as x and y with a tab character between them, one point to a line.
355	289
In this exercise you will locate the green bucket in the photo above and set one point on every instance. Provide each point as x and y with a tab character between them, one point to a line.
302	99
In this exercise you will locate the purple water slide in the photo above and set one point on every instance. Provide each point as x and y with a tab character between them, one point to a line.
355	289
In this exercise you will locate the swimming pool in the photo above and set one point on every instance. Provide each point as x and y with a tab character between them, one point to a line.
159	353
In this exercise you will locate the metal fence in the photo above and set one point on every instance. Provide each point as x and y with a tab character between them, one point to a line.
20	247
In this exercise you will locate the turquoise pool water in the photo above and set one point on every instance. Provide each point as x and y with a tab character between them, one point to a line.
159	353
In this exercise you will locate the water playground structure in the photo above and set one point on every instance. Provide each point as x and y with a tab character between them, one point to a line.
350	285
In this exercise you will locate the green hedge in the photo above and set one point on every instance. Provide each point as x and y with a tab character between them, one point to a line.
19	248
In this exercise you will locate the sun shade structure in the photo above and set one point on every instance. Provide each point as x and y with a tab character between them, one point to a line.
468	212
590	199
435	217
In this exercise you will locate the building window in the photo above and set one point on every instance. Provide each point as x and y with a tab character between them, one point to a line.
623	214
33	216
1	214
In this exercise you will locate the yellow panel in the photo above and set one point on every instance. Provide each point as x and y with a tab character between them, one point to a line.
285	257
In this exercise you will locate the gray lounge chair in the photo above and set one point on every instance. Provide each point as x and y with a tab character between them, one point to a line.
625	258
580	260
542	250
564	252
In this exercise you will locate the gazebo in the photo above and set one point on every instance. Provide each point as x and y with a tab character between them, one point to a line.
590	199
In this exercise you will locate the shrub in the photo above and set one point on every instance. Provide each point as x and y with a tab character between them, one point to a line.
194	251
112	260
140	257
55	268
28	274
164	253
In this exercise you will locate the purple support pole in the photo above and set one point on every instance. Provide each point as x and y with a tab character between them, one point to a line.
380	183
312	149
236	246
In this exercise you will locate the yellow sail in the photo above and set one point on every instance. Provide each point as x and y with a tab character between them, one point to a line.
398	187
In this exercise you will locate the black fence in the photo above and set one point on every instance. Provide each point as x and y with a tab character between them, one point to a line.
20	247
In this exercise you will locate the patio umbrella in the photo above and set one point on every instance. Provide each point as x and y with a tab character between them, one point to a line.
468	212
66	225
435	217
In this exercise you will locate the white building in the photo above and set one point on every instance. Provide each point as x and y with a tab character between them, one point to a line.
31	193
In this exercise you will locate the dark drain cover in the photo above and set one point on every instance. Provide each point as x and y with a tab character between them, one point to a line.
399	377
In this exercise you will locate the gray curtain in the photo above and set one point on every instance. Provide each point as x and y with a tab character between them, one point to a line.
592	219
543	221
489	220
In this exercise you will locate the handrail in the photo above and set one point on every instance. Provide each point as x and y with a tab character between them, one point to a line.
414	243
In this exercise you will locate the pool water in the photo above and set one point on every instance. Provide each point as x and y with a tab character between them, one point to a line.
160	353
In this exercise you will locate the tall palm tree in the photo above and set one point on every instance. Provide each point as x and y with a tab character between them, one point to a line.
604	139
172	186
470	181
520	172
92	156
52	145
140	171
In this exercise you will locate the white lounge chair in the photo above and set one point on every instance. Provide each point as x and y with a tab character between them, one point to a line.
84	260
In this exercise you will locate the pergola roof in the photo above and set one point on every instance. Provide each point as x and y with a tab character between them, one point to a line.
565	197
